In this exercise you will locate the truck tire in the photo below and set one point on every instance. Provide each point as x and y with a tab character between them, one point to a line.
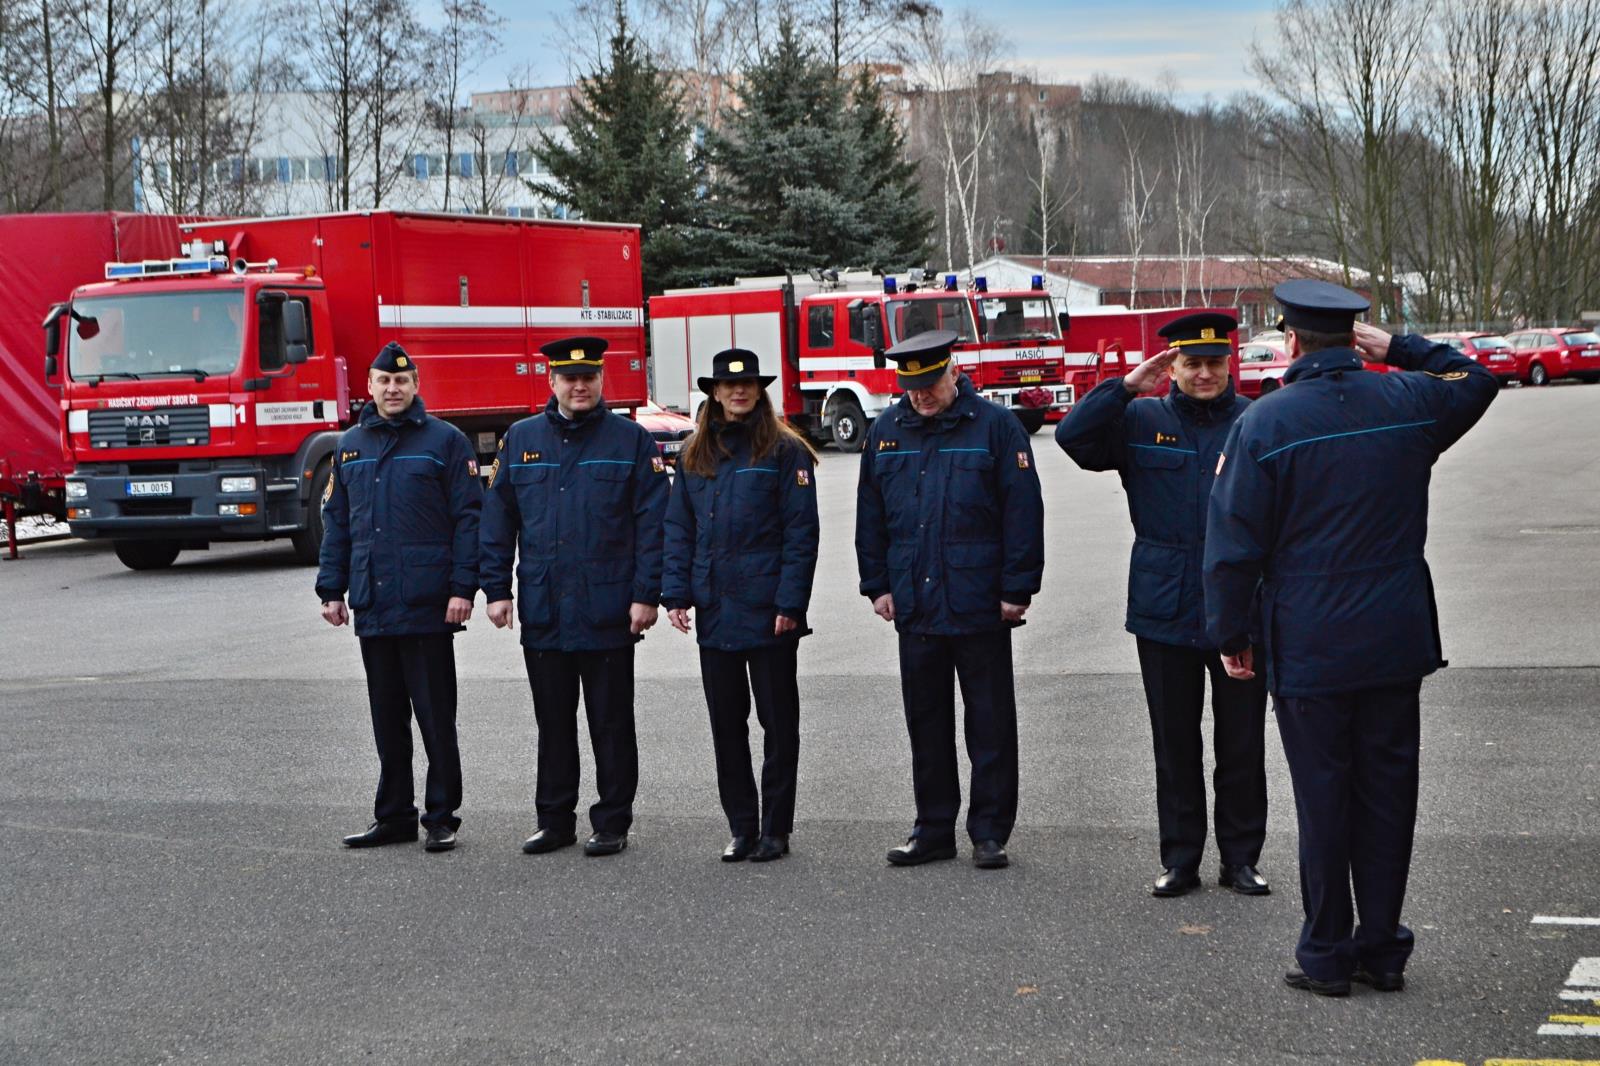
146	554
308	542
849	425
1032	418
1538	375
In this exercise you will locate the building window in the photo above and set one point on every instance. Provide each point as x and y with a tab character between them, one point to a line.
301	169
510	169
285	170
419	167
464	165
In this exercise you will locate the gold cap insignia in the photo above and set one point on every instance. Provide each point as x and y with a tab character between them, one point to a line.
1208	334
578	353
912	366
735	367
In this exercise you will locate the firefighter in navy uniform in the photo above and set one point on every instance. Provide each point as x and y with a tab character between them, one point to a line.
741	550
577	492
950	546
1319	515
1166	452
400	533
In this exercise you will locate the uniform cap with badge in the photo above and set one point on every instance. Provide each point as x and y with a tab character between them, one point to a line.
1318	306
922	360
393	359
735	364
1203	334
576	355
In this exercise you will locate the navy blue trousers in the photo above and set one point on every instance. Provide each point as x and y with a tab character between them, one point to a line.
731	678
606	679
929	669
407	676
1353	759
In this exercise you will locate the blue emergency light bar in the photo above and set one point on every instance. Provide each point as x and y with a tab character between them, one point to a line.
1038	281
981	284
156	267
889	286
949	283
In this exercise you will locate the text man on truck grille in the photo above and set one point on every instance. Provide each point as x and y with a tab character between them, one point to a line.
400	532
950	546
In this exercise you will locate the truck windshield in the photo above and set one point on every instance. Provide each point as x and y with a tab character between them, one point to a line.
1012	318
912	316
195	333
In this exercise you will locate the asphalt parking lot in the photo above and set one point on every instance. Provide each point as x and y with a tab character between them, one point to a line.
180	752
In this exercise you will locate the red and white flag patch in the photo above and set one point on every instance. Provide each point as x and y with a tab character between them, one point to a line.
1022	461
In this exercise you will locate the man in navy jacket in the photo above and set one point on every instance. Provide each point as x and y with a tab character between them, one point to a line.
1166	452
1318	516
950	547
400	533
577	497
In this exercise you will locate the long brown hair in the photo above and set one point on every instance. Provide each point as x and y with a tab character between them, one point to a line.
767	431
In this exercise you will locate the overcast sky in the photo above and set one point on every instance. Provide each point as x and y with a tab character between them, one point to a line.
1203	44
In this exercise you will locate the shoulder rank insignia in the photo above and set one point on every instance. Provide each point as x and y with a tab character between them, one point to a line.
658	464
802	478
1022	461
1162	438
349	454
530	457
886	445
1453	375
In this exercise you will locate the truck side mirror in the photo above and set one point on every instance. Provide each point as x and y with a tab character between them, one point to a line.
296	338
88	327
879	360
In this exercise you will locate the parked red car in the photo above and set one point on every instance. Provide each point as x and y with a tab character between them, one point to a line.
1262	361
1492	351
669	429
1543	355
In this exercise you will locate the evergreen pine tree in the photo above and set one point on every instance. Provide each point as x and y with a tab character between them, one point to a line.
630	157
894	198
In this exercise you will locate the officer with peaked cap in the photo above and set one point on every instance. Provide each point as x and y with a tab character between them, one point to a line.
950	547
1165	450
400	533
1318	519
573	512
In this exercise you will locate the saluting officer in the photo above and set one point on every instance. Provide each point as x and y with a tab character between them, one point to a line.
950	545
1166	452
400	532
741	548
579	492
1320	513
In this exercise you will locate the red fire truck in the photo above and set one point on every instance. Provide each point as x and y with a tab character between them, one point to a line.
1107	342
203	395
826	340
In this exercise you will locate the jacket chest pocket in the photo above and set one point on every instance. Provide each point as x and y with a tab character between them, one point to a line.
1163	477
755	498
971	504
606	504
418	497
358	485
898	473
533	484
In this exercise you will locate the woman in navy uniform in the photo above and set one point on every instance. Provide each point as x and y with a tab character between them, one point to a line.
1319	514
741	548
576	498
1166	452
950	547
400	533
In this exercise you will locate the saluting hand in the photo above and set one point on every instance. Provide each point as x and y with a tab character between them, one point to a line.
1146	377
335	613
884	605
458	610
501	615
1372	343
679	617
641	616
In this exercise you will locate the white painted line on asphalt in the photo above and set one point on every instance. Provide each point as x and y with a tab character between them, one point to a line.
1585	974
1582	995
1550	919
1569	1030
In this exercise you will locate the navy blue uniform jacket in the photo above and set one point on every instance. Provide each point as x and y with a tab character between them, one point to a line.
579	504
741	547
400	523
949	517
1322	499
1166	451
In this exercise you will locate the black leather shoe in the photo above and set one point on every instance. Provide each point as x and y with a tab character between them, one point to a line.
919	850
1296	979
771	847
548	840
1175	882
440	838
1379	982
1244	880
605	843
738	849
989	855
381	833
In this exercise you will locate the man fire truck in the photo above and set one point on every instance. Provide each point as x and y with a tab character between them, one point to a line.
828	337
202	396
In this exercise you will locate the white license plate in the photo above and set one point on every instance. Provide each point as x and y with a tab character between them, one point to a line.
1500	359
149	488
1591	353
671	447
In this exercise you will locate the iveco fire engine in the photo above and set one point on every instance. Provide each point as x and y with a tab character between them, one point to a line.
203	395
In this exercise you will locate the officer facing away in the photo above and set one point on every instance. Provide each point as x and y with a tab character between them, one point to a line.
400	533
1320	513
1166	452
580	494
950	546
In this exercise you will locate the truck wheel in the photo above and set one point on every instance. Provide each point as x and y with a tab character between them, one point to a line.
1032	418
1269	385
308	542
1537	375
849	425
146	554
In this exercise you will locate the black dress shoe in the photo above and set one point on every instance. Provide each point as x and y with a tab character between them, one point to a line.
771	847
440	838
1175	882
1296	979
989	855
548	840
1379	982
605	843
738	849
1244	880
919	850
381	833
